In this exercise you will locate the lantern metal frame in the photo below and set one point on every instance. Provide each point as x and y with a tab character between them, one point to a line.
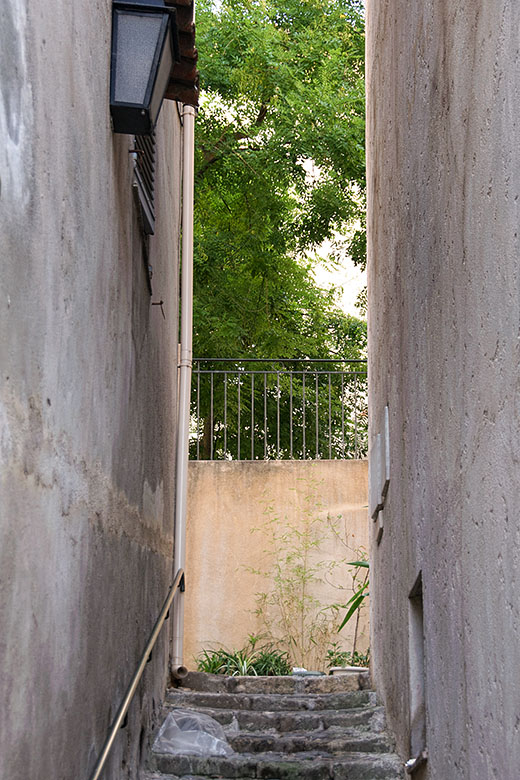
136	118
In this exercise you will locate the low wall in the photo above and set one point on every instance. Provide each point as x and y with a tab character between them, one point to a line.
227	501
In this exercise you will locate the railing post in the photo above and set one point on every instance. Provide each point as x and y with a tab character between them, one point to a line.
290	416
277	414
265	415
225	413
198	411
317	419
238	419
303	414
211	419
252	416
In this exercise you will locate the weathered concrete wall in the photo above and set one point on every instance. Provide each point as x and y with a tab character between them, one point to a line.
227	500
87	399
444	312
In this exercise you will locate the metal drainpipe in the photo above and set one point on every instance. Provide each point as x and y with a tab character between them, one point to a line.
188	114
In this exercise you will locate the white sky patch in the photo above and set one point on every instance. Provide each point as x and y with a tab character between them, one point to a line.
347	276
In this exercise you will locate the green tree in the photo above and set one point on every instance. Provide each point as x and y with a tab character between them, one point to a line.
280	169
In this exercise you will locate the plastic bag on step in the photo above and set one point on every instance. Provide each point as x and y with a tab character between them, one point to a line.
232	727
186	731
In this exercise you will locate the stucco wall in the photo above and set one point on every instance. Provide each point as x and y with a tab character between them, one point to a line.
227	500
444	312
87	399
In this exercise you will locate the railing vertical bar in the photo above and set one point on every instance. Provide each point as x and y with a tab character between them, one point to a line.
355	417
211	419
252	416
198	411
330	419
342	415
303	416
238	420
290	416
277	414
225	413
265	415
317	419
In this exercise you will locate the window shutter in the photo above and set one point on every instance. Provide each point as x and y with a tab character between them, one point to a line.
144	146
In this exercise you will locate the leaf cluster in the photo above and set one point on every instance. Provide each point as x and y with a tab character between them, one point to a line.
253	659
279	169
338	657
355	603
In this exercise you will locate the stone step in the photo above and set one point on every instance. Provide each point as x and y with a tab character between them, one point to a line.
368	717
160	776
258	702
218	683
331	742
285	728
297	766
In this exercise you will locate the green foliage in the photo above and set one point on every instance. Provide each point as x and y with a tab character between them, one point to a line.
212	661
356	602
279	169
270	661
338	657
263	660
362	302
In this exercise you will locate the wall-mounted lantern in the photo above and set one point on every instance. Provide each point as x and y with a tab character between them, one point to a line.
145	46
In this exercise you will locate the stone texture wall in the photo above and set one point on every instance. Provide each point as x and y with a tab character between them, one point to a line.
87	399
227	500
444	346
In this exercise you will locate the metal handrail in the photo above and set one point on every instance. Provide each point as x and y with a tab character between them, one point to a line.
178	582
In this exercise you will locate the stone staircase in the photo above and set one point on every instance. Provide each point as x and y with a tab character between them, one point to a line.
285	728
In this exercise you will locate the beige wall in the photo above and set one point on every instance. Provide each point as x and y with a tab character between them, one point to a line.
229	499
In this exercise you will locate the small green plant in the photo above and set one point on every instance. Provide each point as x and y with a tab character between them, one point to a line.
252	660
211	661
271	662
360	582
360	659
338	657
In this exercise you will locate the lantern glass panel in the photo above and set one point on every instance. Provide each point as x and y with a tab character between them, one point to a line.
163	76
137	39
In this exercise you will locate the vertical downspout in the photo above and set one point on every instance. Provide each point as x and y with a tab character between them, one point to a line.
183	422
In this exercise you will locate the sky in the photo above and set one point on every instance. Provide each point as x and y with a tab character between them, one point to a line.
349	277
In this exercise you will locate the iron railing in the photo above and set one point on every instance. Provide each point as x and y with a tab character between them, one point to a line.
259	409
